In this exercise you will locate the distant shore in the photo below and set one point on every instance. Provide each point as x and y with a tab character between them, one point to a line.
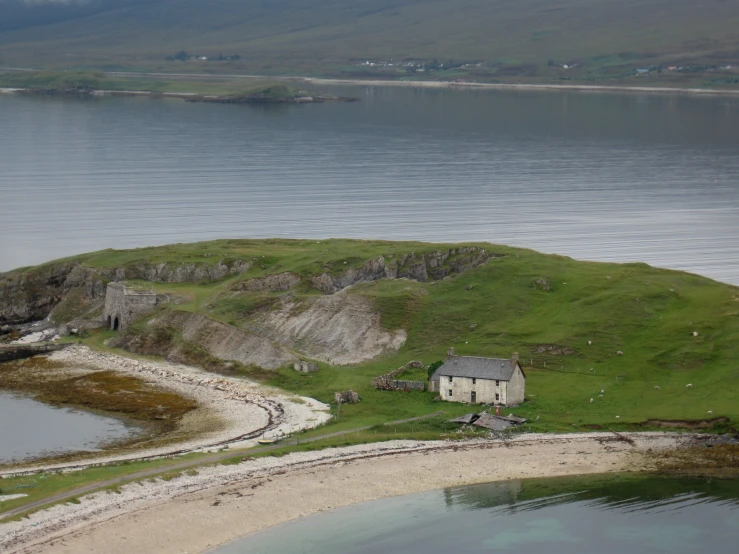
197	512
513	86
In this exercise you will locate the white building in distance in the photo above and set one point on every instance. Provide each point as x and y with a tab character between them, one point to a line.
475	380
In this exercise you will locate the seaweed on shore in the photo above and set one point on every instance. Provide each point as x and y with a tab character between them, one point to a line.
106	391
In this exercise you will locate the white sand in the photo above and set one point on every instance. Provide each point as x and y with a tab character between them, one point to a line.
232	407
196	512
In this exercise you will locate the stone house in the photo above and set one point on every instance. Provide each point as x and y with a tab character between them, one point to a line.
475	380
124	305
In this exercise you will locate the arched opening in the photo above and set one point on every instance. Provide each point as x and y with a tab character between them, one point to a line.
110	323
115	324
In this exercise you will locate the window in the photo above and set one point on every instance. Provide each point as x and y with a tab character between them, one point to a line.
497	396
450	392
450	378
474	381
497	383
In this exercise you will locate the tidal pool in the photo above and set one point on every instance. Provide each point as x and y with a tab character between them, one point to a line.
31	429
577	515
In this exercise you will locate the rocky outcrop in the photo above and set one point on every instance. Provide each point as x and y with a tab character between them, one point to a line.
169	332
181	273
269	283
339	329
32	294
428	266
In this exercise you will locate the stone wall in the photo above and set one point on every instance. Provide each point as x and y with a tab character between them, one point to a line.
388	381
406	385
124	305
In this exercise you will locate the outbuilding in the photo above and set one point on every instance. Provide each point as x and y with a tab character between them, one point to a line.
477	380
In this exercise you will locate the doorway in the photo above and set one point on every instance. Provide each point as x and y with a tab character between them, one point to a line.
473	397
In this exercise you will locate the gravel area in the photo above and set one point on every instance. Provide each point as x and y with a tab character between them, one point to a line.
195	512
232	411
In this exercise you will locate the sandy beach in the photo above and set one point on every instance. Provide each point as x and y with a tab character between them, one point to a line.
194	513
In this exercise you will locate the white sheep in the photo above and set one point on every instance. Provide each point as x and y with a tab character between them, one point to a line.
618	417
591	400
602	392
695	333
689	386
619	353
591	369
600	396
590	342
656	387
710	412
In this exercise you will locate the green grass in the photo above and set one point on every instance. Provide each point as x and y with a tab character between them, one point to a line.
513	40
43	485
648	314
593	309
72	80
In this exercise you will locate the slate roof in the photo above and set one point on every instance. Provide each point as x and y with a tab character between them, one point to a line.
479	368
495	423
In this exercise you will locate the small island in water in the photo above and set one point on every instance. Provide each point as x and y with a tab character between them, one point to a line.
90	84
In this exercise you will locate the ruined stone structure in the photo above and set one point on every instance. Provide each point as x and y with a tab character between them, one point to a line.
388	381
305	367
346	397
124	305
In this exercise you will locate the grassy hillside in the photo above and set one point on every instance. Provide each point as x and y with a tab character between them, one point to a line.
73	80
567	319
527	39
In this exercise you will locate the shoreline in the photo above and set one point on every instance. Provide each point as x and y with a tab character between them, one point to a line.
521	86
198	512
231	411
453	85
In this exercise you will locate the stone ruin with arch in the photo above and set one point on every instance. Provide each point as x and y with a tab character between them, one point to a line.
124	305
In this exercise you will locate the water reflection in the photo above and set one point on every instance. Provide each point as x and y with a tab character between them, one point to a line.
605	514
31	429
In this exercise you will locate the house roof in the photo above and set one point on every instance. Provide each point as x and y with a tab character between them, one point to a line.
495	423
478	368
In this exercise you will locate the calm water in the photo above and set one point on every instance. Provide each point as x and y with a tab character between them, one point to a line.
593	176
574	515
30	429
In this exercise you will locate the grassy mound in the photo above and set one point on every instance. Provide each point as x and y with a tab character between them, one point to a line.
628	336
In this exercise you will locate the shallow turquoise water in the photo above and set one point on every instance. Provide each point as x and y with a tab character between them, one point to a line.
608	515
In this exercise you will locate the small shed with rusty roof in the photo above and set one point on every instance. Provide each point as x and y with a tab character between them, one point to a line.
477	380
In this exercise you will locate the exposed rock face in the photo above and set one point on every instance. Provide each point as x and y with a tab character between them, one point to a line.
28	296
31	295
339	329
269	283
182	273
218	339
424	267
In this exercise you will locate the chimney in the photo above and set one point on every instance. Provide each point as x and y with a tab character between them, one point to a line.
514	359
450	353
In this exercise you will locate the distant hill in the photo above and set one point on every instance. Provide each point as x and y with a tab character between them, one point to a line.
521	38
